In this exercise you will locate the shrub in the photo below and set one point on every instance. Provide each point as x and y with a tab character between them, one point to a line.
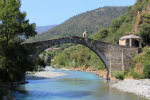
78	56
142	59
118	74
134	74
146	71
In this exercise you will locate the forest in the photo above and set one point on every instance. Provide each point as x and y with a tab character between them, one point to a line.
14	29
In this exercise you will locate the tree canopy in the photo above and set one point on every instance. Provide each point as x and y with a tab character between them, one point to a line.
145	29
14	28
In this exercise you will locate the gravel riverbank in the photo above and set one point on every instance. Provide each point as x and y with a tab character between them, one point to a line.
47	73
139	87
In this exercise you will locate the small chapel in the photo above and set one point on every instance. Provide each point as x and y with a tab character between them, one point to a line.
131	40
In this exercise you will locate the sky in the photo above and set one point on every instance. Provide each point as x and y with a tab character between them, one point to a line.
54	12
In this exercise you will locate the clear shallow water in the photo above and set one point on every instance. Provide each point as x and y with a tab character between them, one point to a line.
75	86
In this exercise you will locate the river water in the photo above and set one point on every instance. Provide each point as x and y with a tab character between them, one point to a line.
75	86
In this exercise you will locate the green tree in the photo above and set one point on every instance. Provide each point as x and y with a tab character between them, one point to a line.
118	22
145	29
78	56
146	71
142	60
39	64
102	34
14	28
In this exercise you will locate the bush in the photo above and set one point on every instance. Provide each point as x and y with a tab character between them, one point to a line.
145	29
134	74
101	34
118	74
118	22
146	71
78	56
39	64
143	59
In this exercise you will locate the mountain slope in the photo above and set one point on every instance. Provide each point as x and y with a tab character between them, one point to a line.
91	21
131	23
41	29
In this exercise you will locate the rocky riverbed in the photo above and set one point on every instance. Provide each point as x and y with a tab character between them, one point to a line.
139	87
45	74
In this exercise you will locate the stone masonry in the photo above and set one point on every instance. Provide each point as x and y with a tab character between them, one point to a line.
115	57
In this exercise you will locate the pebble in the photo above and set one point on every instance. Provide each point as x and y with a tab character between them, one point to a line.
139	87
44	75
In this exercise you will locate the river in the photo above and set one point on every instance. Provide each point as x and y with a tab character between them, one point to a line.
75	86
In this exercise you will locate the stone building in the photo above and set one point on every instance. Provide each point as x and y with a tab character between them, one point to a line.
130	41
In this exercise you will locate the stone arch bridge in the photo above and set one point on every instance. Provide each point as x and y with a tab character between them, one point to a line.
115	57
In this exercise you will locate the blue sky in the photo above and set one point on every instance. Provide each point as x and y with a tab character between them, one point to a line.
53	12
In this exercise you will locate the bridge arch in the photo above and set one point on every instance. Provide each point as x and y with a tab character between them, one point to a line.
111	55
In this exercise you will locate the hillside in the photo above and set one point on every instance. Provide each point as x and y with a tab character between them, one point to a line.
41	29
132	23
91	21
136	21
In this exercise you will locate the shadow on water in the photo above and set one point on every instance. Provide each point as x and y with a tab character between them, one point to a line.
40	94
35	78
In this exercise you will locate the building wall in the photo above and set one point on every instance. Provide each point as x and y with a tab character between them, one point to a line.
122	42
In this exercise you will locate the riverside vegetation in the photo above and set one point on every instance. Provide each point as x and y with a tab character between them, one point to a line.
14	29
14	57
77	56
91	21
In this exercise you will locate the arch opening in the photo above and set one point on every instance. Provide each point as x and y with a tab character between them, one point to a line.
90	43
